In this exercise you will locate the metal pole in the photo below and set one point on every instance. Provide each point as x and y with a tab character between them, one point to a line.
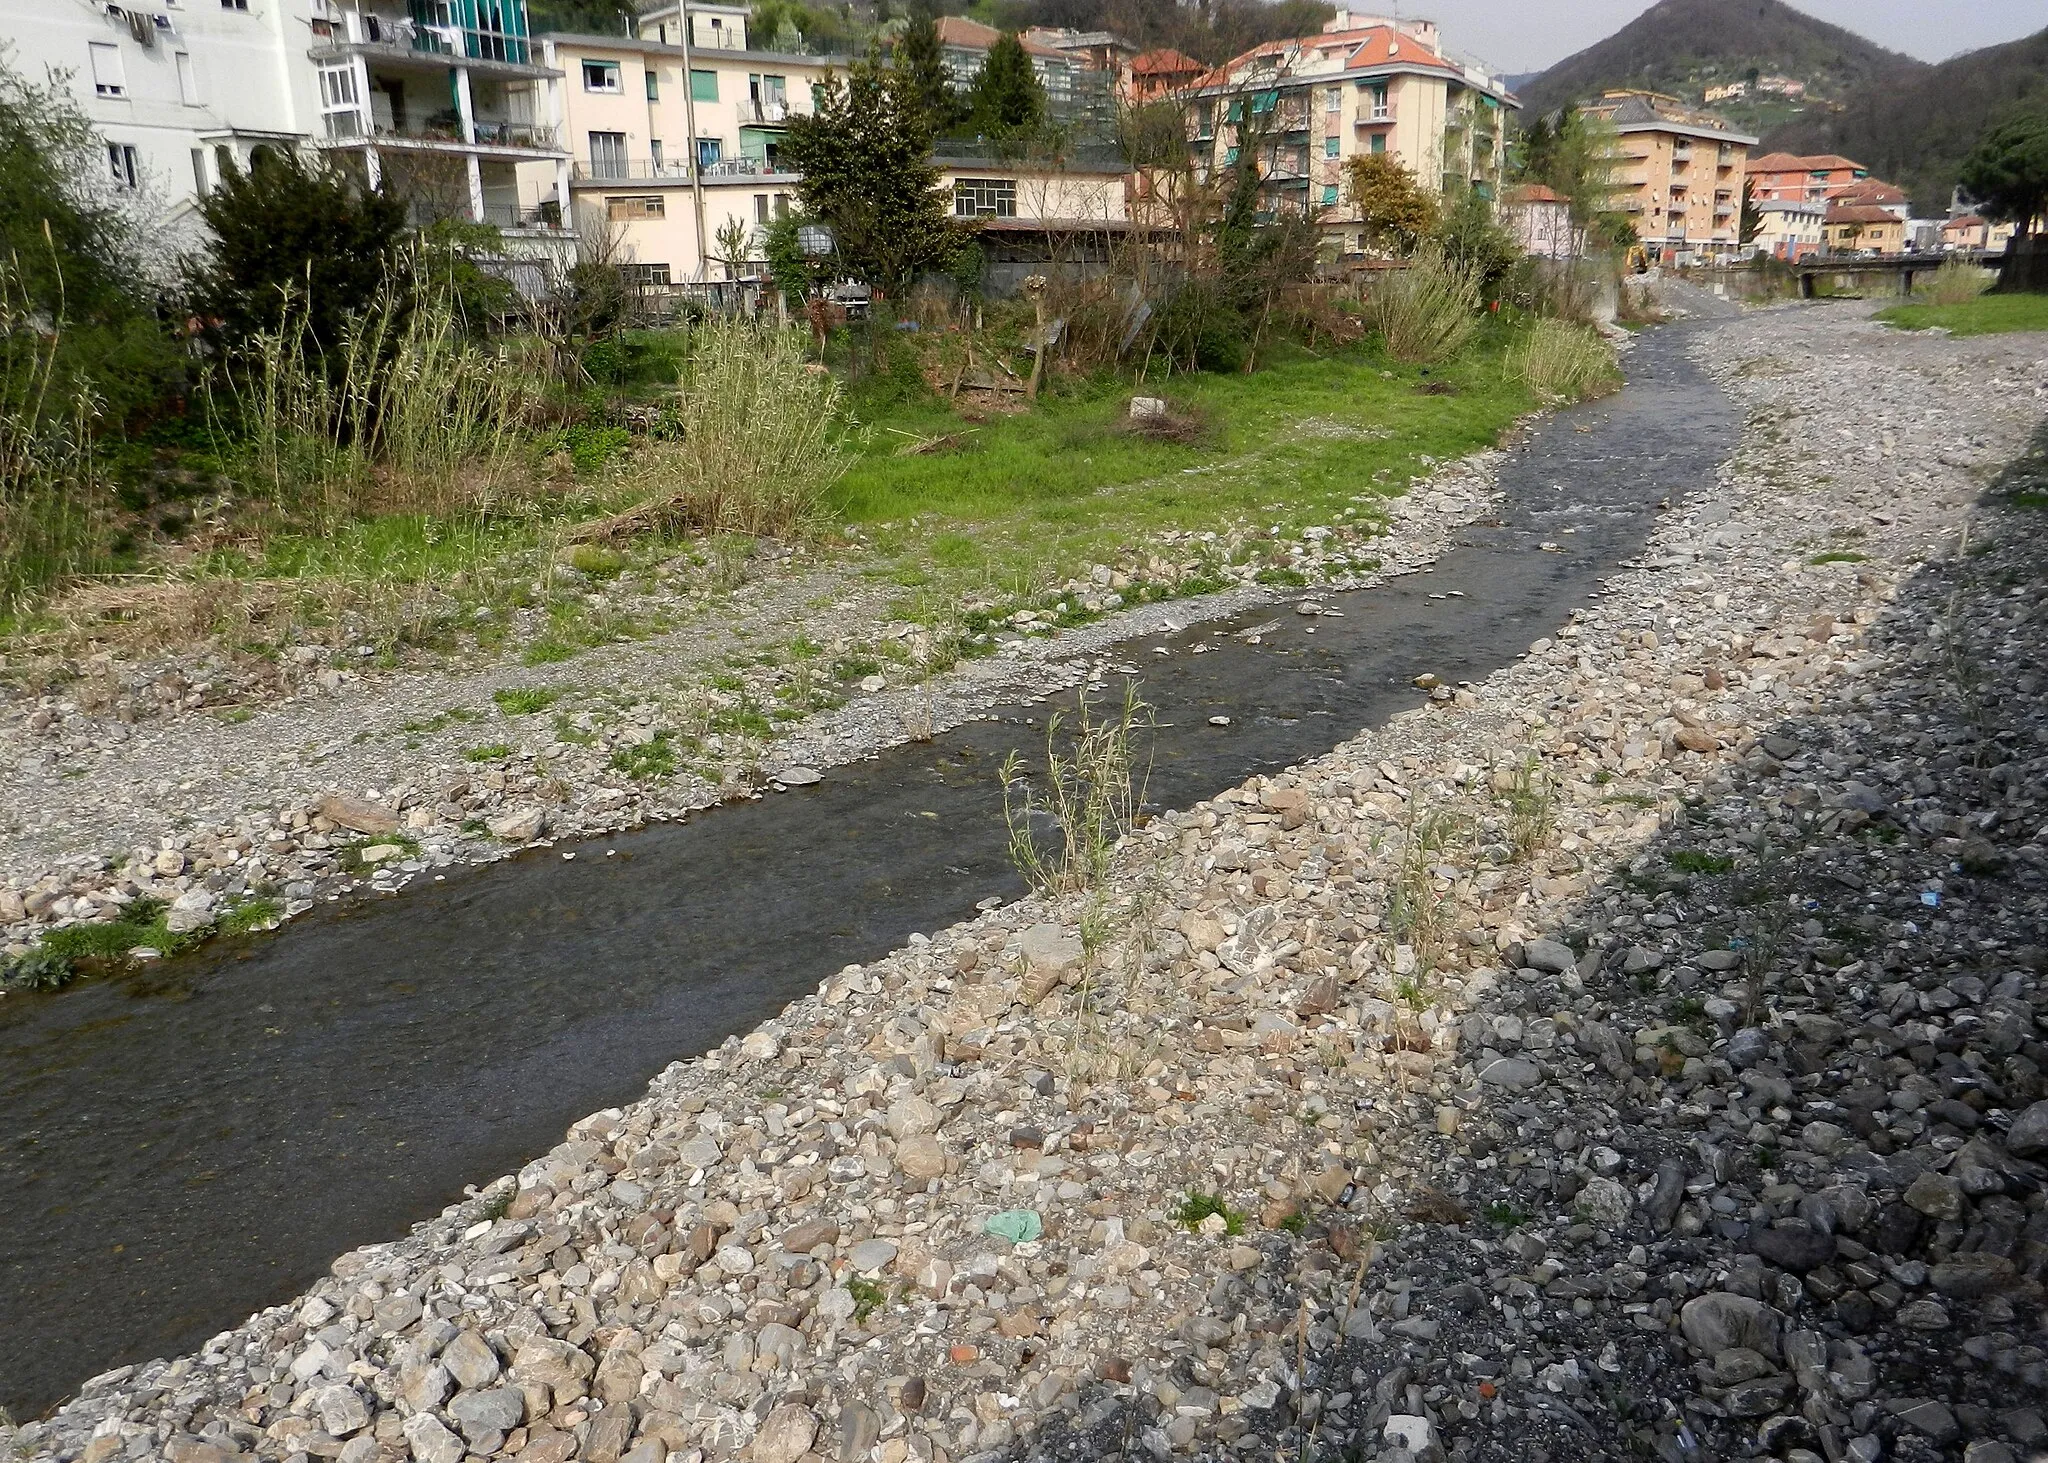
690	121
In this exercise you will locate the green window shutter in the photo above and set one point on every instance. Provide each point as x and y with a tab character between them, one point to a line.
1329	147
1235	112
1379	142
703	86
1329	192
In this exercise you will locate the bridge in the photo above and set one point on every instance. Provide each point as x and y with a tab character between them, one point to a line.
1903	266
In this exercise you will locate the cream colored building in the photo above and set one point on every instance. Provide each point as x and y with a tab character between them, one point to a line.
671	155
1679	174
1365	85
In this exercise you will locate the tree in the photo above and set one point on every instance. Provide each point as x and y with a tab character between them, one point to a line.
1750	221
921	61
1007	101
865	156
1575	156
2007	175
68	257
290	234
1394	209
1473	240
731	247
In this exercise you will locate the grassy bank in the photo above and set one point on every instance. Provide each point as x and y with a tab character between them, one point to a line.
1985	315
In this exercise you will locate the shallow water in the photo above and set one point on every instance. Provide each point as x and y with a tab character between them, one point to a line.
184	1147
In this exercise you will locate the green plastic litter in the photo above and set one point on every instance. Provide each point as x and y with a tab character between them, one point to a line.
1019	1226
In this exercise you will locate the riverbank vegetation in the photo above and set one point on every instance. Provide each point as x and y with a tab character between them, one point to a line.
335	433
1983	314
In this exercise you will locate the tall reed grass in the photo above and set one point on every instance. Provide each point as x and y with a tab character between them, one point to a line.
406	415
1561	360
756	449
1958	282
1426	312
52	511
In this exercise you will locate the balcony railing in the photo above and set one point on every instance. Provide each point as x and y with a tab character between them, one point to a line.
765	114
1375	117
346	128
671	170
547	218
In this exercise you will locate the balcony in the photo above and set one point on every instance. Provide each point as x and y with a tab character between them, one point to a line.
546	219
441	132
667	170
1375	117
764	114
1682	153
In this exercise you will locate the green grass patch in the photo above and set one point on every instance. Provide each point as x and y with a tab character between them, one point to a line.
441	719
1195	1208
1839	556
486	752
249	915
1504	1215
546	652
649	759
1985	315
524	702
350	856
867	1296
1699	861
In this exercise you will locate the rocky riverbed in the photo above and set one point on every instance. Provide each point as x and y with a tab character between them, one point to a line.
1639	1053
136	785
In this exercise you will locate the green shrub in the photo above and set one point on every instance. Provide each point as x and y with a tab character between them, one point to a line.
1958	282
1196	1207
588	447
524	702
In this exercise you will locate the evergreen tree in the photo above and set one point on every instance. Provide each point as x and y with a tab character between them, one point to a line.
1008	100
865	156
919	59
2007	176
1750	222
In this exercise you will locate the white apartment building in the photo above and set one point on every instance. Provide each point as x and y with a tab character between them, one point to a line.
444	96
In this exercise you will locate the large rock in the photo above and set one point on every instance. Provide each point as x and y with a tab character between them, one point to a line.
341	1410
430	1441
553	1363
1936	1195
1794	1245
1605	1204
2028	1136
921	1157
1051	957
496	1409
1720	1320
358	815
470	1360
520	825
786	1434
1549	955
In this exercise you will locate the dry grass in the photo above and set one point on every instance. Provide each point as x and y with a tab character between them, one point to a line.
1958	282
756	449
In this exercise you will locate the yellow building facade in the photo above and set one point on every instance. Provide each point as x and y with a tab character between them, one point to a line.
1678	174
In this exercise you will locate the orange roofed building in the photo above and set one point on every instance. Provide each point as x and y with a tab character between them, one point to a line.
1163	73
1680	174
1365	85
1802	179
1864	228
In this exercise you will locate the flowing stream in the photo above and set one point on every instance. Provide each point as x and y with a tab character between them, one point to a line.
180	1148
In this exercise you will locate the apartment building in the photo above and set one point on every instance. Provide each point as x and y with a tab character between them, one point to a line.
1814	178
1364	85
673	150
1792	228
713	27
1162	73
1680	174
444	96
1864	228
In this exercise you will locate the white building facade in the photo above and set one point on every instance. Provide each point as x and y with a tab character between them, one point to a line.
442	96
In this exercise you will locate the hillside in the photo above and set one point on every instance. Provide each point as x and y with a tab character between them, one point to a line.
1916	130
1685	46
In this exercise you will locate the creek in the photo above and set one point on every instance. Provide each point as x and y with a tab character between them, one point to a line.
187	1145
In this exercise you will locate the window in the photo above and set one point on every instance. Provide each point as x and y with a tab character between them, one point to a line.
703	86
782	205
199	171
188	79
242	5
1329	193
760	208
607	154
601	76
1333	99
653	85
108	79
122	162
654	274
984	198
654	152
1329	147
775	90
1379	142
709	151
652	205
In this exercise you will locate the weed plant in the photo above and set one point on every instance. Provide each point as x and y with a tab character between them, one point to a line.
1563	361
1089	798
1427	312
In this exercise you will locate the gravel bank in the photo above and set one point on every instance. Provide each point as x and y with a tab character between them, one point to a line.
1638	1054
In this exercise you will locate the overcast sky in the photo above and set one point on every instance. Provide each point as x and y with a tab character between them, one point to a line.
1528	35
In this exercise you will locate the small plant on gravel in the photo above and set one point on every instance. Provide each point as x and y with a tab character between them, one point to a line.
1196	1207
1840	556
1091	794
1530	800
41	969
1504	1215
524	702
867	1296
486	752
1418	914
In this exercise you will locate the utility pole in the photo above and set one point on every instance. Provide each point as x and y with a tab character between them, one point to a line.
690	121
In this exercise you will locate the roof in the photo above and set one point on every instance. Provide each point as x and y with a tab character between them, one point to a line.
1535	193
1967	221
1868	190
1861	213
972	35
1792	162
1166	62
1789	205
1368	50
697	53
1639	111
